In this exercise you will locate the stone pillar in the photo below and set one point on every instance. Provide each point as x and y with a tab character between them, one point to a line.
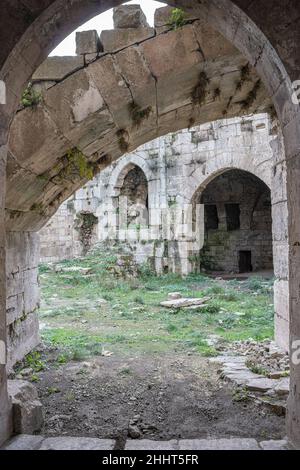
5	405
280	242
293	177
23	294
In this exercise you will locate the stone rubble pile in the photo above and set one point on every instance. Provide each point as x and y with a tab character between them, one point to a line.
265	356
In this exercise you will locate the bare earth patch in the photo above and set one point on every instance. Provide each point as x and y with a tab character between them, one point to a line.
166	397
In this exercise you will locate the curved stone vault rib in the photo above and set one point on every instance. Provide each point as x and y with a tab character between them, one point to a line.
116	103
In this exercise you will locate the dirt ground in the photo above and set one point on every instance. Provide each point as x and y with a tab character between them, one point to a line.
153	397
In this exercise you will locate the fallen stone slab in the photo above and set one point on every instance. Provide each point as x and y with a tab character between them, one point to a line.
181	303
27	409
274	445
129	16
74	269
260	384
196	307
241	378
282	388
219	444
146	444
24	442
77	443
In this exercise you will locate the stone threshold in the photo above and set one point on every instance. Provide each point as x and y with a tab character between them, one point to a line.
28	442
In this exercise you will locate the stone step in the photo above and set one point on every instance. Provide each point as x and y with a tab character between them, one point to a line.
27	442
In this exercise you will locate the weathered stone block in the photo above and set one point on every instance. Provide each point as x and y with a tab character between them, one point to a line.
129	16
77	443
57	68
27	409
117	39
88	42
24	442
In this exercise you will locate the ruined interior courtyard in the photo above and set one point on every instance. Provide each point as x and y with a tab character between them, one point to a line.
170	322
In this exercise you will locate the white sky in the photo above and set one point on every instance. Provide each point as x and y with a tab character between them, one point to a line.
104	21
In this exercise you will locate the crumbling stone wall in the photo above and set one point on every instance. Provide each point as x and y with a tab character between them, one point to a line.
239	224
23	294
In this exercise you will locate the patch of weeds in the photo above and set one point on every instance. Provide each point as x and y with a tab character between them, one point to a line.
138	115
75	165
215	290
63	359
256	368
211	308
30	98
171	328
44	268
35	362
200	90
230	296
240	395
177	19
139	300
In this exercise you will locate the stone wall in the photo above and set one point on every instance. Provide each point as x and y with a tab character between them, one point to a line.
22	285
173	169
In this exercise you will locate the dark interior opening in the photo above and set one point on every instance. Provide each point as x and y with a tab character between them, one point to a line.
233	217
245	262
211	217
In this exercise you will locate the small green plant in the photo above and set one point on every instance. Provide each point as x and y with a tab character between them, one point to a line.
257	368
34	378
240	395
177	18
30	97
52	390
34	361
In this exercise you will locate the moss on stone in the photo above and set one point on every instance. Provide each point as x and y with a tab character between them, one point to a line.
200	90
138	115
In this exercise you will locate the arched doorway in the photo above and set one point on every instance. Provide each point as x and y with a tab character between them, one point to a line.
238	224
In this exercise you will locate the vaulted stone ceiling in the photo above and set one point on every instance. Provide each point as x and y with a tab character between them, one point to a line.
115	103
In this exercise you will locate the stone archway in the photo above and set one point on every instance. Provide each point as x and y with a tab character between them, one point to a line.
237	27
238	223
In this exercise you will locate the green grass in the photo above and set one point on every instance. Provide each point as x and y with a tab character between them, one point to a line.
132	320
